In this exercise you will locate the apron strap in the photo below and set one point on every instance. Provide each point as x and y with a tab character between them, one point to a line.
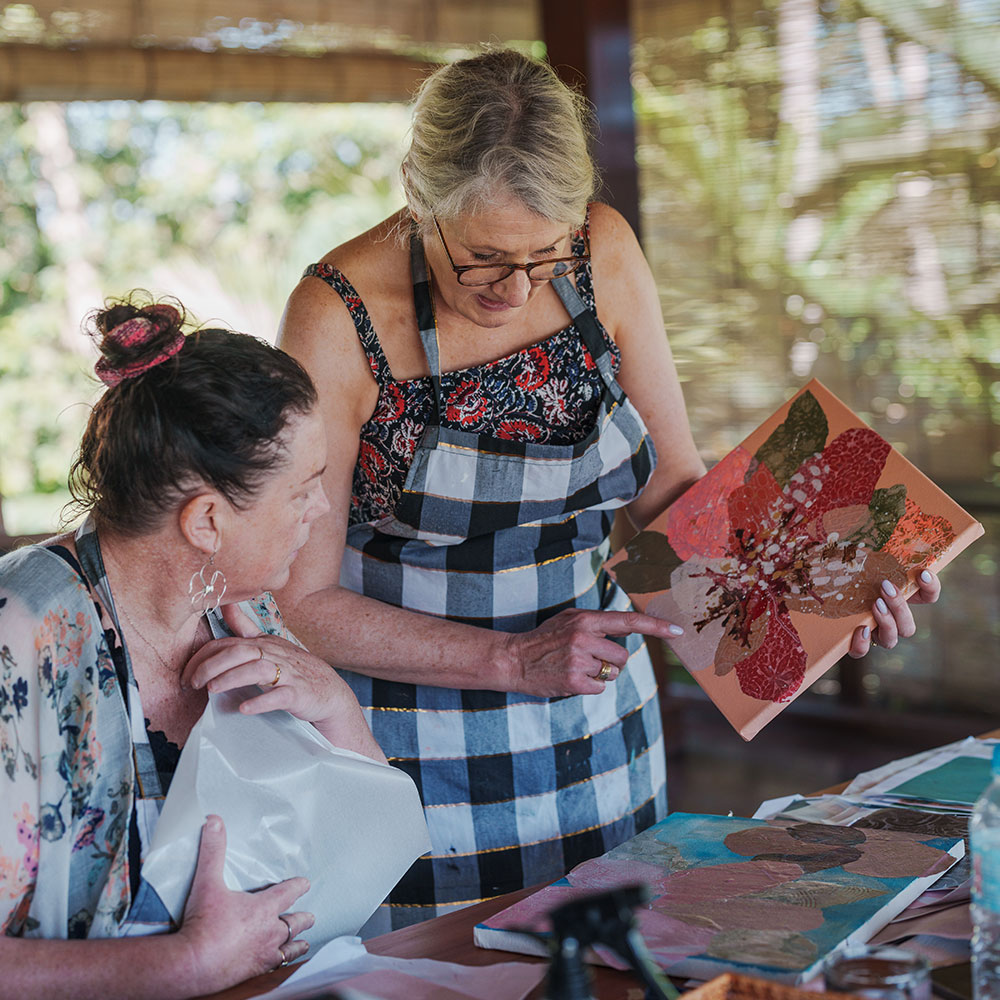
583	318
88	549
423	302
586	322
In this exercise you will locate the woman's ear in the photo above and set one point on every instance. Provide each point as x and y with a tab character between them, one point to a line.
201	520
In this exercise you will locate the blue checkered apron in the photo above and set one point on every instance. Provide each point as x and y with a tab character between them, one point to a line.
502	534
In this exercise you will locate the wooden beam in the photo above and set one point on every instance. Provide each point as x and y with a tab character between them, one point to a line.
91	73
589	44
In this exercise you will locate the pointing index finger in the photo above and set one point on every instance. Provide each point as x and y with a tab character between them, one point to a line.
627	622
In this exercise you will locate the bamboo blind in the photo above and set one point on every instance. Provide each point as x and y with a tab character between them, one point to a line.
232	50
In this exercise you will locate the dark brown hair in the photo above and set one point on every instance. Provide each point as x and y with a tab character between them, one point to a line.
211	415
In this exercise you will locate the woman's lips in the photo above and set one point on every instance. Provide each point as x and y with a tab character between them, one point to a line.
491	305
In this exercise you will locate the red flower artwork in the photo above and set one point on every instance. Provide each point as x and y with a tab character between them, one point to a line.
800	526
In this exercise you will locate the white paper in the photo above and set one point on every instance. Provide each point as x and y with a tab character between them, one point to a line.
346	958
771	807
293	804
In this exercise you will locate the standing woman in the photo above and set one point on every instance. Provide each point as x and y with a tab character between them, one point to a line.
200	473
496	383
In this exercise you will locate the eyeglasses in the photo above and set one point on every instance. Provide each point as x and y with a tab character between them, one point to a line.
539	270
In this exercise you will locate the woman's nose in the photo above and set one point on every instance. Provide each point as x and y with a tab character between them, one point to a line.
514	288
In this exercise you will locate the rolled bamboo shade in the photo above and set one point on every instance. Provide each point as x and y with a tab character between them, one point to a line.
238	50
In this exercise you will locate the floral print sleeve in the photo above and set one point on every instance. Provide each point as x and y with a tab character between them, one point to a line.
265	612
65	750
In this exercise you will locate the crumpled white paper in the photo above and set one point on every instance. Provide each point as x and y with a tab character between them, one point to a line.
293	804
347	959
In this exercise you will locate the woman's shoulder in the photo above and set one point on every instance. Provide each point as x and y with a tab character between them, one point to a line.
40	576
48	617
618	265
609	232
369	269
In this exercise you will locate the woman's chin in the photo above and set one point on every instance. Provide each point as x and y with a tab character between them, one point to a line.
276	581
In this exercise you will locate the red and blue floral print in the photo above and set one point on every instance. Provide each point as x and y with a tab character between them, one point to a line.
547	393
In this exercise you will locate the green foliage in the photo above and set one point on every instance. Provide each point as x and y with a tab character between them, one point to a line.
221	205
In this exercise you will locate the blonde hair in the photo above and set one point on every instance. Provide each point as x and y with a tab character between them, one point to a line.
494	124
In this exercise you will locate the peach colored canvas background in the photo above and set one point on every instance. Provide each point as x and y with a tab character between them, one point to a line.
825	640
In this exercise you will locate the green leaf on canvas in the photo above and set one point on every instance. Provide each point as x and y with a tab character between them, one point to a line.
887	507
802	434
650	562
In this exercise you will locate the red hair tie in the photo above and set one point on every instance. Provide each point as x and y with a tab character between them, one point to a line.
133	332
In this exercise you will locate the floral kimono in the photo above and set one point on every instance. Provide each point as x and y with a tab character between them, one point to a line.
70	728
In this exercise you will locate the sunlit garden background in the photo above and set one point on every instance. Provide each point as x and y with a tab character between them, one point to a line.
820	198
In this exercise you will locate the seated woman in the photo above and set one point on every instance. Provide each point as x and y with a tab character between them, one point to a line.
200	474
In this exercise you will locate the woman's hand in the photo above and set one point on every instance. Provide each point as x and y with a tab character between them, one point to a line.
566	654
293	680
235	935
893	617
291	677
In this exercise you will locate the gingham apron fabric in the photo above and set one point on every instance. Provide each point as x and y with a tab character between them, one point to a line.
504	534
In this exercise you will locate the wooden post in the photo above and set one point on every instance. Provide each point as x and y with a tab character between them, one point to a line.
589	45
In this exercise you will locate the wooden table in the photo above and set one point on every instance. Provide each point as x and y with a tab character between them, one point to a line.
449	939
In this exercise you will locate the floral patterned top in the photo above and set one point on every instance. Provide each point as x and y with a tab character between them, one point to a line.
68	781
546	393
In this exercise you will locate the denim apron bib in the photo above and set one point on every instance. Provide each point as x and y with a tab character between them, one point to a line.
501	534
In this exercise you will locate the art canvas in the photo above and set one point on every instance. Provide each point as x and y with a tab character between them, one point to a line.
773	558
764	898
841	811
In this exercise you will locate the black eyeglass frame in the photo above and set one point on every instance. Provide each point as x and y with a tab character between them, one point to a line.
575	263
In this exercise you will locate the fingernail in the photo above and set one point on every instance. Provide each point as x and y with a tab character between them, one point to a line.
865	632
881	606
214	824
888	589
675	630
926	577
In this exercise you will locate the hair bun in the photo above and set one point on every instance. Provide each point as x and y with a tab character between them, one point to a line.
137	343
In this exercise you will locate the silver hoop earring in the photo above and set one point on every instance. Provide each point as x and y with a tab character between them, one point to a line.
207	587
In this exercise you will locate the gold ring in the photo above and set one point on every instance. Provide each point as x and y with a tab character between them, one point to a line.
284	961
261	651
277	675
605	672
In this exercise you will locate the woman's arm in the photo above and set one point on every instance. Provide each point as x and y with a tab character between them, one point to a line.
371	637
629	307
226	937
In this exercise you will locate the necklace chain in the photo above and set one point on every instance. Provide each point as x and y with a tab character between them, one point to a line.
138	632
